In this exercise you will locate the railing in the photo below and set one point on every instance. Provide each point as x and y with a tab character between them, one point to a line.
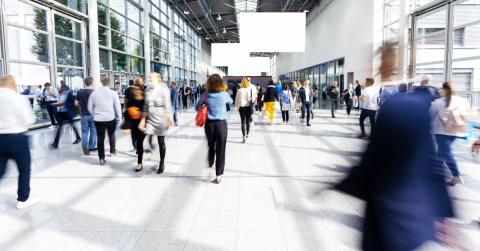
473	97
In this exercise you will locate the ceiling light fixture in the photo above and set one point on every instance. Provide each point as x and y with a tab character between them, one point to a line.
199	28
186	12
207	38
219	17
305	10
224	30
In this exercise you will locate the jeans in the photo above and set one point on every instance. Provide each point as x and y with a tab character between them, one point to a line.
334	102
16	147
217	132
245	115
175	115
52	111
444	152
285	116
308	106
371	115
101	127
192	97
88	125
62	116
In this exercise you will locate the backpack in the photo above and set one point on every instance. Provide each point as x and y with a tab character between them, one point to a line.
285	99
454	121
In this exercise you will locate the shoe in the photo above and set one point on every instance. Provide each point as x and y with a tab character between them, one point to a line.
102	162
284	122
94	149
85	150
252	124
333	116
313	117
113	154
52	127
161	168
55	145
456	180
302	118
308	124
138	170
30	201
244	140
77	141
247	135
216	181
363	135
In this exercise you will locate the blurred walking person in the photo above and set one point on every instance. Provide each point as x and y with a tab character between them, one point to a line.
216	128
270	98
49	95
314	91
16	116
349	98
66	112
439	114
324	93
305	95
253	90
369	106
135	110
297	104
157	115
260	97
285	101
388	91
192	93
333	93
243	101
184	92
358	93
86	119
105	107
174	97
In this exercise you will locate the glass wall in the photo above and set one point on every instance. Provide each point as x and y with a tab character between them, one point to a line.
160	39
180	53
192	41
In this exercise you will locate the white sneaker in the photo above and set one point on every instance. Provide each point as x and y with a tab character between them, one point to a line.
52	127
29	202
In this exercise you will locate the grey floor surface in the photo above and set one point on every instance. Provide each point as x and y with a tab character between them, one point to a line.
274	196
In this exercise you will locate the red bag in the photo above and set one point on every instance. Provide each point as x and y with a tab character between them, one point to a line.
202	111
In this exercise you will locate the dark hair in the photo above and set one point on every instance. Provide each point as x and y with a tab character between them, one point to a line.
40	86
291	83
105	81
370	80
261	91
270	82
88	81
131	82
447	87
402	88
117	83
47	84
284	87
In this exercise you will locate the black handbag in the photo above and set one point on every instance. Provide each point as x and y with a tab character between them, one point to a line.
127	122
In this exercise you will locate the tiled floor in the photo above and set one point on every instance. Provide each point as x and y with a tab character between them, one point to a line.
274	196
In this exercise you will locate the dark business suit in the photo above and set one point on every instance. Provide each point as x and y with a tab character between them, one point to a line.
184	91
400	178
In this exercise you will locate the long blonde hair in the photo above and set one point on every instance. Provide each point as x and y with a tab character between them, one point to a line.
244	83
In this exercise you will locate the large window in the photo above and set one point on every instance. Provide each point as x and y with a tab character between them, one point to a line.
180	49
192	40
160	38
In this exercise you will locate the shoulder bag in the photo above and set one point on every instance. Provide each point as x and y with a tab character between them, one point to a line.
202	111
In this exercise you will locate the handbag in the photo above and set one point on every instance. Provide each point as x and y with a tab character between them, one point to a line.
202	111
455	122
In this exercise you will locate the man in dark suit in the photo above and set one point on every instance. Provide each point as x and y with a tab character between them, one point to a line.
175	101
305	94
426	93
184	91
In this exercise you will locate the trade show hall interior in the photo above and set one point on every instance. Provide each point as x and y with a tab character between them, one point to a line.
340	172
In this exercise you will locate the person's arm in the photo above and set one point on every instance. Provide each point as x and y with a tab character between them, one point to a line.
197	105
54	92
90	104
363	97
237	101
77	100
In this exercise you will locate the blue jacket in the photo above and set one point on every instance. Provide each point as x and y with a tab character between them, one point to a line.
279	89
174	97
217	105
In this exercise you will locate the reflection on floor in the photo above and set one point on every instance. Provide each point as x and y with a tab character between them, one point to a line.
274	195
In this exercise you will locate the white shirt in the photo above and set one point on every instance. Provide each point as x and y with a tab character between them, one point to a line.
104	105
38	92
254	90
243	98
307	93
371	95
17	113
438	112
49	96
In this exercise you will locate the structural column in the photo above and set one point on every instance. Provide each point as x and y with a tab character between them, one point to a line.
94	47
146	35
403	39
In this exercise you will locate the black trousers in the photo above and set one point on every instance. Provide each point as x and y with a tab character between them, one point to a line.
349	105
16	147
285	116
324	96
245	116
334	102
216	131
109	126
371	115
184	99
139	137
63	117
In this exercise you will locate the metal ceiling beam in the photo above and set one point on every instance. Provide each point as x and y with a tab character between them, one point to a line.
208	14
288	4
222	15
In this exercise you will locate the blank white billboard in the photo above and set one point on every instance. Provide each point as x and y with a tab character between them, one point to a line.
225	54
273	32
251	66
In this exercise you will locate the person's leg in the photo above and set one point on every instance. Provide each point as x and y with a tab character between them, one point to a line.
111	135
101	127
134	141
70	120
308	107
92	141
221	142
248	115
332	101
50	113
363	116
269	107
444	152
140	138
211	143
84	129
283	116
303	110
243	120
287	115
59	129
21	154
349	103
175	115
162	148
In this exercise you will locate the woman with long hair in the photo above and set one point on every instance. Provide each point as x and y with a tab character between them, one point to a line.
136	108
439	116
216	128
243	101
157	116
260	94
285	103
270	98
